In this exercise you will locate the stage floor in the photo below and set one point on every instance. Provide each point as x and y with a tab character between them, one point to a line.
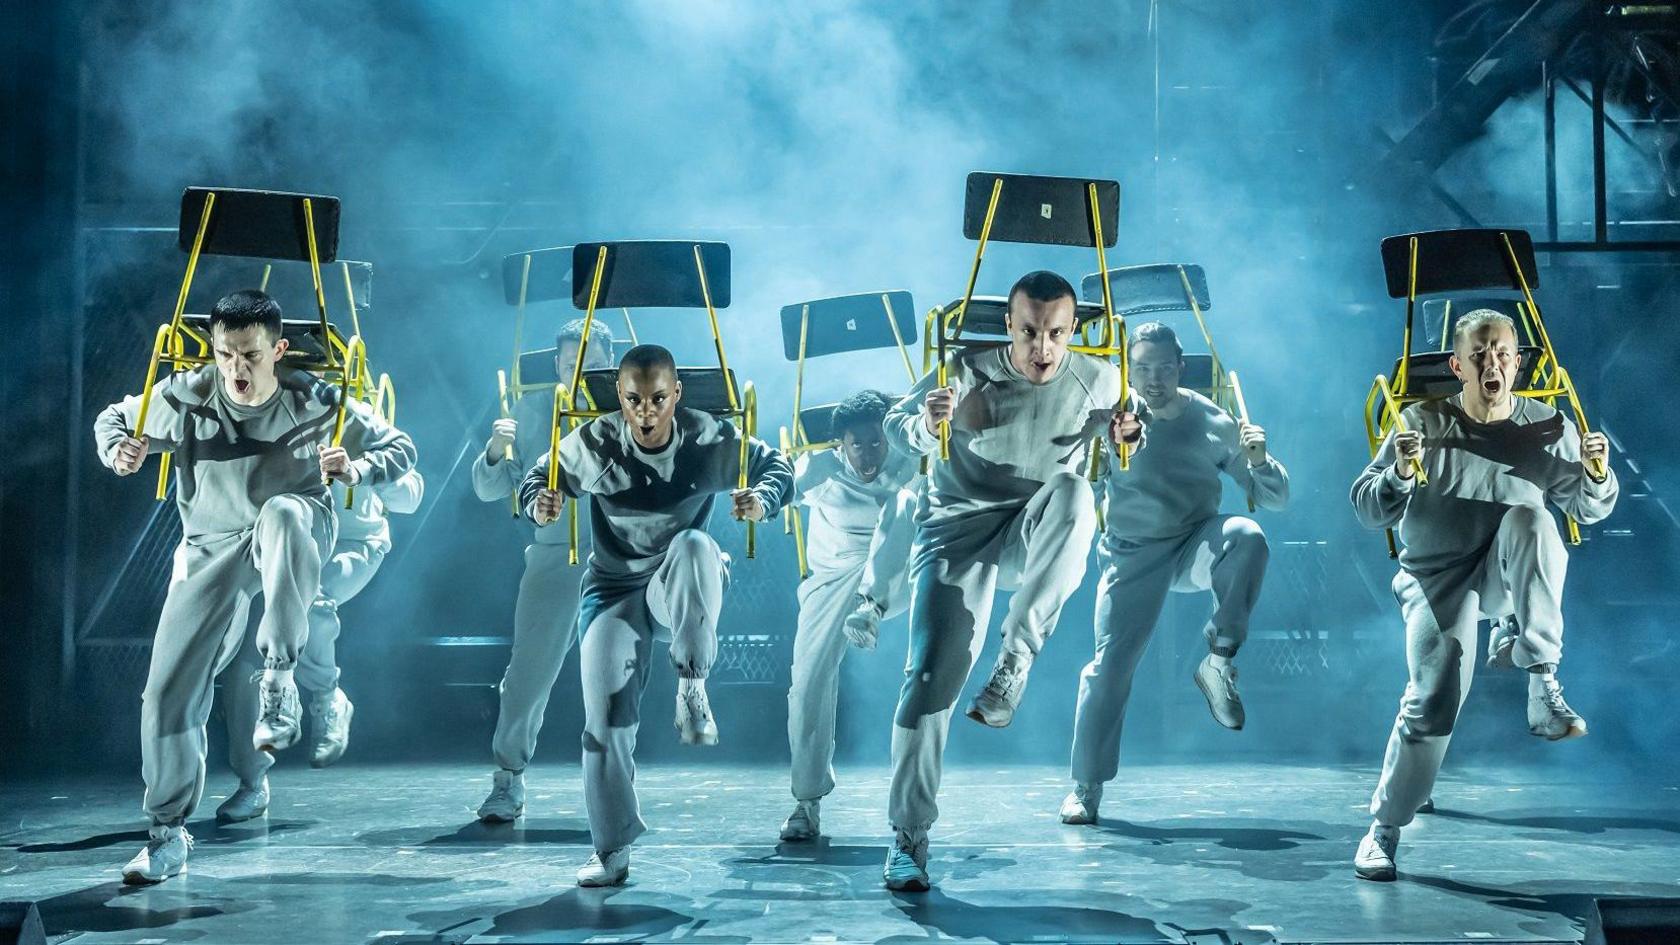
1238	853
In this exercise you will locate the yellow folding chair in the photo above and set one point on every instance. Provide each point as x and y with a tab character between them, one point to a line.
651	274
1018	208
218	221
1447	263
865	321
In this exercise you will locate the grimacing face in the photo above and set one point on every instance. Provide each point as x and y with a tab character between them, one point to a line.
1486	362
648	398
865	449
246	358
1039	334
1156	368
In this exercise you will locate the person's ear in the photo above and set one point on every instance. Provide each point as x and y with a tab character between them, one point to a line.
280	348
676	394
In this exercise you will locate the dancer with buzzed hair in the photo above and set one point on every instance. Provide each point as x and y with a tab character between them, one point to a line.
651	471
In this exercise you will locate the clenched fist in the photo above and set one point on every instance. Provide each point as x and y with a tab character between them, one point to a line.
1595	455
748	507
502	433
940	404
130	455
549	502
336	465
1253	443
1408	447
1125	427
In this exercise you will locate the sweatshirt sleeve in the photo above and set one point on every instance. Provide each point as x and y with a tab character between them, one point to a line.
402	497
1573	490
380	452
810	471
1379	495
498	480
903	425
769	475
165	421
579	469
1266	485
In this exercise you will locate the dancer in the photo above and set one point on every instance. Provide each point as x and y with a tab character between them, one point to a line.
251	441
1163	532
1478	542
1011	508
651	471
545	613
858	546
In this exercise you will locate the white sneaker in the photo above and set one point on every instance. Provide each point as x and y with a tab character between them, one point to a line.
863	624
507	798
694	722
244	804
1375	859
1501	639
278	725
1080	806
906	866
805	823
995	704
329	717
611	868
1218	683
1551	717
164	855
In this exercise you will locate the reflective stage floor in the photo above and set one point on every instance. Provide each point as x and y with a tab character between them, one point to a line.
1185	853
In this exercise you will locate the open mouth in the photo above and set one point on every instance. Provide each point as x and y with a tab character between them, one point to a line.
1492	385
241	385
1043	367
647	430
1154	392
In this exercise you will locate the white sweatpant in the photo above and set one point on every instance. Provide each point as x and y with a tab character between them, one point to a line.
826	598
198	636
544	627
1226	554
680	603
1040	550
343	576
1521	573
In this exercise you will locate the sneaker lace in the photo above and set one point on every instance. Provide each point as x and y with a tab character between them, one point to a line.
1552	696
699	707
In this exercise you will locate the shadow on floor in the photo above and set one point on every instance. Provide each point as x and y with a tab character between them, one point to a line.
1571	823
955	918
1258	839
114	907
477	834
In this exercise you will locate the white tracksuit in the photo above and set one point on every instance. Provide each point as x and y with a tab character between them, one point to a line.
545	613
364	539
1478	542
1162	533
1011	508
255	517
654	574
857	542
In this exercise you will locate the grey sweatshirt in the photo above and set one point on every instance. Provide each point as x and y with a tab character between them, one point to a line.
640	500
1477	471
366	520
230	458
501	479
1174	486
1009	435
844	508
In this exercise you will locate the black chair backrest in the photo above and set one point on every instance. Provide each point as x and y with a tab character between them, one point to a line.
703	389
263	224
848	323
651	274
1048	210
550	278
985	315
1157	287
1458	261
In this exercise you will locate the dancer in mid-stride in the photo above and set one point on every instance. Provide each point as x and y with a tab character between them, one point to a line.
651	471
1478	542
1163	532
1010	508
251	439
858	546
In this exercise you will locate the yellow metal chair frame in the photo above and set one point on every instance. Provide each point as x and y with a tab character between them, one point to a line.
569	413
1548	381
945	324
345	360
794	440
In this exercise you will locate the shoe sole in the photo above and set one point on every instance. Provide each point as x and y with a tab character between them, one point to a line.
222	818
907	885
328	761
1210	698
275	746
799	837
141	879
1574	731
978	714
604	883
1378	875
500	818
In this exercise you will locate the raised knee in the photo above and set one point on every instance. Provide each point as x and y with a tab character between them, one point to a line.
693	541
1528	520
1431	715
287	512
1245	535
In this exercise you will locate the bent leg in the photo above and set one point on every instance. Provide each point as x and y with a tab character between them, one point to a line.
1055	541
343	576
291	537
544	628
1229	555
686	595
1530	563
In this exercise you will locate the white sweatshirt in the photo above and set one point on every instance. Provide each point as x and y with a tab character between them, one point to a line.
844	508
1477	471
230	458
640	499
1174	486
366	522
499	480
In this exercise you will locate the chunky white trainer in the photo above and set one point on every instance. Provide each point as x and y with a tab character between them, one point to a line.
995	704
863	624
244	804
805	823
1080	806
1549	716
906	866
1375	859
164	855
1218	682
611	868
507	798
329	717
695	725
280	720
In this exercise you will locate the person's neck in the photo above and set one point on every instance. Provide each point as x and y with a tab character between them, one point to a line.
663	444
1481	411
1170	408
